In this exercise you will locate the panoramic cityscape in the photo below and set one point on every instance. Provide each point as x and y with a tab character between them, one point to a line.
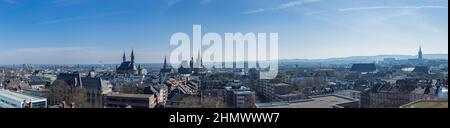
388	83
123	54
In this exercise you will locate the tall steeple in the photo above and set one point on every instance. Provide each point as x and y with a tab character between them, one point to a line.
198	62
191	63
165	63
201	63
420	54
140	69
124	57
132	56
258	67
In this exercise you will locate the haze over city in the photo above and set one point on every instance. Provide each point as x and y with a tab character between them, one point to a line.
208	54
99	31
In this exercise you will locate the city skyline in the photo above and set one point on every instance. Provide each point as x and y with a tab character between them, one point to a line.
348	59
98	32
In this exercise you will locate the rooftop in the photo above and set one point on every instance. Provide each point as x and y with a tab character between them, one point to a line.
426	104
242	88
243	92
369	67
280	84
129	95
328	101
421	69
18	96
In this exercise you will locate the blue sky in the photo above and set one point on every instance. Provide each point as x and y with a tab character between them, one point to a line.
98	31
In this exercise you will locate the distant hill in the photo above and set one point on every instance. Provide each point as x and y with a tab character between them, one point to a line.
356	59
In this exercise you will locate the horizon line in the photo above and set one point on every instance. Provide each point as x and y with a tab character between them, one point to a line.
228	62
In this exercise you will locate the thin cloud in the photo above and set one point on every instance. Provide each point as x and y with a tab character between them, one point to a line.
46	55
53	49
74	19
68	2
206	1
173	2
392	7
9	1
282	6
77	55
376	8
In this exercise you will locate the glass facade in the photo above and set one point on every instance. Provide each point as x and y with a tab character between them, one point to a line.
41	104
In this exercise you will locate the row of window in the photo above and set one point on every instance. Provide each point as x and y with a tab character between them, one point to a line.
6	102
42	104
125	100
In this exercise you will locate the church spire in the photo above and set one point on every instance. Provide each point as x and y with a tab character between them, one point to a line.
140	69
191	63
257	65
420	54
165	63
132	56
199	60
420	48
124	57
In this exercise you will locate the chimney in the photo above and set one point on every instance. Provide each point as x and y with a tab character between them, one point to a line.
72	105
64	104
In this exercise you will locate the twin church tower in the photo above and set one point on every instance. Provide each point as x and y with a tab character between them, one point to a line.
129	67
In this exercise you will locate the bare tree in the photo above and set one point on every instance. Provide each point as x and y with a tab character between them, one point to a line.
79	97
131	88
60	91
308	85
213	102
190	102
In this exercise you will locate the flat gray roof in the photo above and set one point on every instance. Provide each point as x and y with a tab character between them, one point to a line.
18	96
280	84
315	102
125	95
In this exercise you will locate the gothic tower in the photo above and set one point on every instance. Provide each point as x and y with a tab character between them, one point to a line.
124	58
420	54
132	56
191	63
165	63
